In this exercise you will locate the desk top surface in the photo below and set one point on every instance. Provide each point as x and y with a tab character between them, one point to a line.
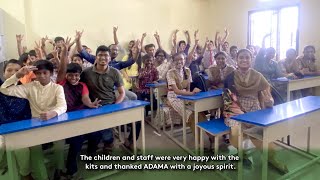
68	117
154	85
202	95
282	112
284	79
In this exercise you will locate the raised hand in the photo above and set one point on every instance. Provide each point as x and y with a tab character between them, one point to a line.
78	35
144	35
196	39
115	29
19	37
137	47
43	41
25	70
55	52
67	43
24	49
156	35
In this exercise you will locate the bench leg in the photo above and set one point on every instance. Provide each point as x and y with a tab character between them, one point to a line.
134	138
240	152
184	120
201	142
12	166
216	145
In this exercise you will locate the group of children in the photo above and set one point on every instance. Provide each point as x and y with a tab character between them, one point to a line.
45	85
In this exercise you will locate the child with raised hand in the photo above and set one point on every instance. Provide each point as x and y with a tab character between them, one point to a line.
47	101
77	97
14	109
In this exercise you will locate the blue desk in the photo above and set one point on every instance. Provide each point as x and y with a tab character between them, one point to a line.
298	84
161	90
202	101
28	133
280	121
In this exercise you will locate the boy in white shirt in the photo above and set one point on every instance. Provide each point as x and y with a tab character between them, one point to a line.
46	99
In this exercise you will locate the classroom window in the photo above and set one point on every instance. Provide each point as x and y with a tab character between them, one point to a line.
282	23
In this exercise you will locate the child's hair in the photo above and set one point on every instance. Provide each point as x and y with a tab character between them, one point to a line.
49	56
145	57
77	55
58	39
33	53
309	47
74	68
102	48
180	42
244	50
44	65
220	53
24	57
233	47
161	51
149	46
12	61
178	54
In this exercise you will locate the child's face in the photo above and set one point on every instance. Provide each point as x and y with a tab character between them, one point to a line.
151	51
179	61
59	43
221	61
43	76
160	57
77	60
73	78
11	69
182	47
148	63
33	59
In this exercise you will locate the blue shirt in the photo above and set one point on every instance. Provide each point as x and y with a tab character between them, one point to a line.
113	63
13	109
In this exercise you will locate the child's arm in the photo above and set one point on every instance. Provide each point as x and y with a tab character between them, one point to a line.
9	88
61	106
19	38
64	61
157	36
115	37
86	99
142	39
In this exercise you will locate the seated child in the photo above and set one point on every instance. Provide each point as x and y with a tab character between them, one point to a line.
14	109
46	99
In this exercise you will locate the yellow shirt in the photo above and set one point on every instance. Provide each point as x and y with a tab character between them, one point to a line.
131	71
41	98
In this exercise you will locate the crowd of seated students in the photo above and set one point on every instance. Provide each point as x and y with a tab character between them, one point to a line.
44	85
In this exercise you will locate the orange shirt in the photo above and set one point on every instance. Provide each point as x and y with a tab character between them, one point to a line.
28	78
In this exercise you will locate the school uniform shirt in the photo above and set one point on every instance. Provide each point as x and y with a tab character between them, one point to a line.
73	94
217	76
208	59
41	98
163	69
181	79
13	109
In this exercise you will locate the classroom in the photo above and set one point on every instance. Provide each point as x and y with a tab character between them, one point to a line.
222	89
